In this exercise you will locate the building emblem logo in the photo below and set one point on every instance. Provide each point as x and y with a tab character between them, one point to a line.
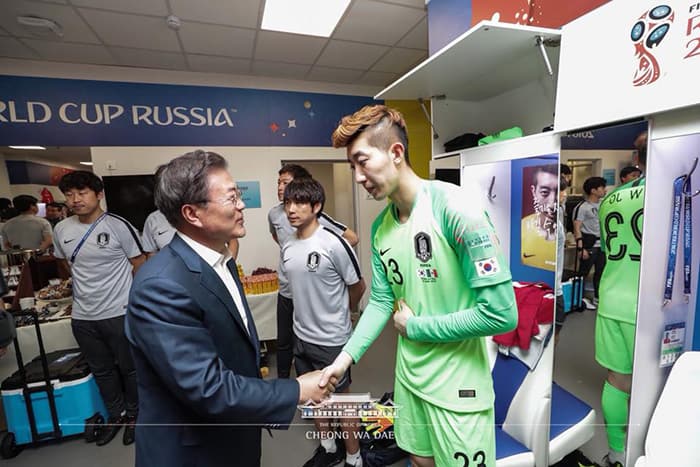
376	415
647	33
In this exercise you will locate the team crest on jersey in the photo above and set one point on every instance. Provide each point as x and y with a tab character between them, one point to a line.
102	239
312	261
423	247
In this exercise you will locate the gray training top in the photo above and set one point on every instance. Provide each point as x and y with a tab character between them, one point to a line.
101	270
157	232
587	213
280	226
320	269
26	230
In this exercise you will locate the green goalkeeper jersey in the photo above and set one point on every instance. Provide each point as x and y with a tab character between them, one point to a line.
445	261
621	215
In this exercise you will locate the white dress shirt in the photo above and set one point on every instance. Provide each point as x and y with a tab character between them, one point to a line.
217	260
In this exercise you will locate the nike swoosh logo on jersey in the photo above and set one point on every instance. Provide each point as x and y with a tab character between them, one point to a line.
382	252
528	256
68	241
285	260
161	233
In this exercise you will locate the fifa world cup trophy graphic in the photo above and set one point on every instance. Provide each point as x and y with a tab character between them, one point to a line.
646	34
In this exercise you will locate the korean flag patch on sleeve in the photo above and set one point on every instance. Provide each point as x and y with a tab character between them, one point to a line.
487	267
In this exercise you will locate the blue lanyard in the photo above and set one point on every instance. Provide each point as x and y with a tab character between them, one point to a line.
87	234
681	198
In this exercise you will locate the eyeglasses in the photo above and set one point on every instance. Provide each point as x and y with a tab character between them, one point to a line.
233	199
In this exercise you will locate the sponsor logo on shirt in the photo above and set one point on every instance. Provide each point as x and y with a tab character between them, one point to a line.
102	239
423	247
312	261
479	240
487	267
68	241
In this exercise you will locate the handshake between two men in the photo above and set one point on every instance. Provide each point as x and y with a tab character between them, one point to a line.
318	385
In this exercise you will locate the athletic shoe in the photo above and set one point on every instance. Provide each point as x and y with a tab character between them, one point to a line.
129	435
607	463
590	305
109	430
321	458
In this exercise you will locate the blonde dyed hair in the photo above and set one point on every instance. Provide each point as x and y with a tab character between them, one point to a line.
386	125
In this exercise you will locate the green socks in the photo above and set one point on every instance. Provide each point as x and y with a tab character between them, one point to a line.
615	411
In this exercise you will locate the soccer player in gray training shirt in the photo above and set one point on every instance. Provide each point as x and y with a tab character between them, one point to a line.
282	231
587	231
157	232
325	280
102	251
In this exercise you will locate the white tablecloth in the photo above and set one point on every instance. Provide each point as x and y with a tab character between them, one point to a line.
263	307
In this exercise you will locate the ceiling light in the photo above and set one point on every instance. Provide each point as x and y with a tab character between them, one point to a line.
41	23
311	17
28	147
85	163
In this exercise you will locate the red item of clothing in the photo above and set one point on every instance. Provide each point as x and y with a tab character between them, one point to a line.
535	301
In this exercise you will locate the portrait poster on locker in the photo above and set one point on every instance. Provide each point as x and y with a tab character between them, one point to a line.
538	222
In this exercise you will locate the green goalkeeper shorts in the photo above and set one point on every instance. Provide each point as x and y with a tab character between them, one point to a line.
614	344
452	438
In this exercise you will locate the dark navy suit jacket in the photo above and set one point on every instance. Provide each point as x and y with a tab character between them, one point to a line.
201	399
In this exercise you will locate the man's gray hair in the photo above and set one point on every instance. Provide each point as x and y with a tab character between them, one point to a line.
183	180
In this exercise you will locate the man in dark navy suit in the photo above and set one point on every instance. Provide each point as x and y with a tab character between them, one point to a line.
201	397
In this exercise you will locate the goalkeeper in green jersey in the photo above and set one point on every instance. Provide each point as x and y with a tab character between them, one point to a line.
436	258
621	216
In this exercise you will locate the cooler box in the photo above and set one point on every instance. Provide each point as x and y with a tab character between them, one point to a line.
573	294
75	391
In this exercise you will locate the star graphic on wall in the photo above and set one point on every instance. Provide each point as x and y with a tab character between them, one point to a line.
274	127
292	123
311	114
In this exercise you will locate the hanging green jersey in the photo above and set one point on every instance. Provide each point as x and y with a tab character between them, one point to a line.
621	215
435	261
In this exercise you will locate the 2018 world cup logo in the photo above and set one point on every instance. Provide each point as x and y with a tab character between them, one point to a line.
646	34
